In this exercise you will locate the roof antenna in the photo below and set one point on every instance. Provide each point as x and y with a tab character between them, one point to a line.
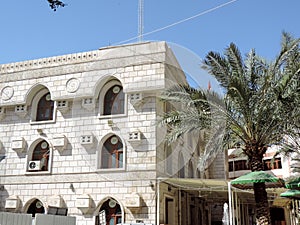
141	20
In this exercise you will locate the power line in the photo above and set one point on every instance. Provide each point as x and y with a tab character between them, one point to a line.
179	22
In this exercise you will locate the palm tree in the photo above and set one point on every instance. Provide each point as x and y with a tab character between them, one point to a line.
195	110
262	101
261	106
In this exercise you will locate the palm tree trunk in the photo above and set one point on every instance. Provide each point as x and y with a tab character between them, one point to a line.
261	197
262	206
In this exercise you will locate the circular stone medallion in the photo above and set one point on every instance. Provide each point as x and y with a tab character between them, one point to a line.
72	85
7	93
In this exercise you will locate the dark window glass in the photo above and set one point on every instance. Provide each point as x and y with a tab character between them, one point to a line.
45	108
114	101
41	153
36	207
238	165
271	165
110	211
112	153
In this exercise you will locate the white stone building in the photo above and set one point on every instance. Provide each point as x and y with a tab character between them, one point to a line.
79	137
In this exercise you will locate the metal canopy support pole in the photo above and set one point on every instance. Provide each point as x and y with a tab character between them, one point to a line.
230	203
157	201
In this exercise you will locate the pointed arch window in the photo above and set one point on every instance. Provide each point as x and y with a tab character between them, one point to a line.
45	108
114	101
36	207
112	153
110	213
40	155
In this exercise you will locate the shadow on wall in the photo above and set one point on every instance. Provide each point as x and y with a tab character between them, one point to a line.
3	196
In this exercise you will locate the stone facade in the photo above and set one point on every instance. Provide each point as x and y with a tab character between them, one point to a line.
75	177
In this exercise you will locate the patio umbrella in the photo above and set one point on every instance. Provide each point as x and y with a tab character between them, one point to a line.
246	181
291	194
293	184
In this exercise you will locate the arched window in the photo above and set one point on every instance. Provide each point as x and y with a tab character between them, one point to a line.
110	213
45	108
112	153
40	157
36	207
114	101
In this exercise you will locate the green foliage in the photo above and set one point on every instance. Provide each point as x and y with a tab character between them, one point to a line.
261	97
260	108
195	110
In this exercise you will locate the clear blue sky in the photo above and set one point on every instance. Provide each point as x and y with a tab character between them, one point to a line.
31	30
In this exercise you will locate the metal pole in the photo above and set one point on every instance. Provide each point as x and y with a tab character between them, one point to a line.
141	20
230	203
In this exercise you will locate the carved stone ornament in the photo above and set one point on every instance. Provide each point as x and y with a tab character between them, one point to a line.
72	85
7	93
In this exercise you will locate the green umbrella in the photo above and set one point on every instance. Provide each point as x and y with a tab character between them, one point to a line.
291	194
293	184
243	181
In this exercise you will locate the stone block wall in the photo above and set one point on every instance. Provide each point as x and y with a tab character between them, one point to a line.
75	170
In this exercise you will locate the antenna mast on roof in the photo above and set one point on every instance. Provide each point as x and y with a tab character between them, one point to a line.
141	20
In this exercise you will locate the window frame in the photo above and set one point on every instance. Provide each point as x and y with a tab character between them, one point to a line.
29	157
101	99
34	108
101	154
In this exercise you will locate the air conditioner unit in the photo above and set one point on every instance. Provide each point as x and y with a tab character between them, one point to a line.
34	165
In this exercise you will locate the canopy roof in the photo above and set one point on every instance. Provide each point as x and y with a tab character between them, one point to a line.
293	184
196	184
246	181
291	194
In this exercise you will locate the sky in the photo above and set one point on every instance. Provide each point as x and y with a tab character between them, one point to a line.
31	30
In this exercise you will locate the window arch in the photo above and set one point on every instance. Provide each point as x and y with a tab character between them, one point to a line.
45	108
112	154
114	101
39	159
42	108
36	207
110	213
